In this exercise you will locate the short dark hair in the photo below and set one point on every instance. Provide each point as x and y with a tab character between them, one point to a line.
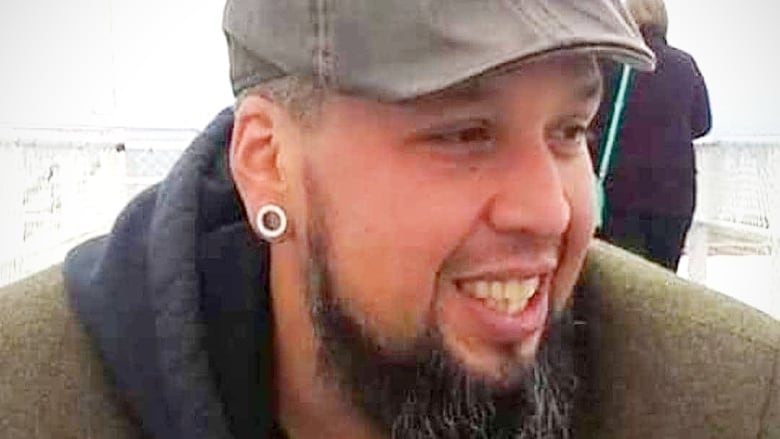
301	97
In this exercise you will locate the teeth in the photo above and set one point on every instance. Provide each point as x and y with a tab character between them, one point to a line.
481	290
508	297
496	290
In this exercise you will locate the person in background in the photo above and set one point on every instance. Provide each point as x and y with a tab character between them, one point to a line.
651	186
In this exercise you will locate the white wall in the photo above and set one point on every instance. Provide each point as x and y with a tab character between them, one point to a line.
736	47
162	63
150	63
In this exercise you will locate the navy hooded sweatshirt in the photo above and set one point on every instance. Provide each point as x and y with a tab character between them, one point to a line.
175	298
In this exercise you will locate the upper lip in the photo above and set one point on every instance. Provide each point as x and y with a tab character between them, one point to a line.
505	273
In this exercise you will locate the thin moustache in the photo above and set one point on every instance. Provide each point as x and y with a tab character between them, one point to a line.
506	270
503	257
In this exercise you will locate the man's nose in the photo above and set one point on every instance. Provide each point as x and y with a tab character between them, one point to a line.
530	197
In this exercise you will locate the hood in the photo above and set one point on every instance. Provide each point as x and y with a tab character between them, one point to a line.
175	299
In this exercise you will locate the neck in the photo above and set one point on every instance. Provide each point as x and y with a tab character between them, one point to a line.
306	407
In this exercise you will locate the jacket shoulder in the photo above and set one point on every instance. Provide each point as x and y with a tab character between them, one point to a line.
676	359
52	383
681	58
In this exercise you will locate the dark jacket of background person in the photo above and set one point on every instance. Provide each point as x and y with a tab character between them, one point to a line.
653	170
651	184
162	330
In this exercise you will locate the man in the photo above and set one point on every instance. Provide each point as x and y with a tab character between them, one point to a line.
385	239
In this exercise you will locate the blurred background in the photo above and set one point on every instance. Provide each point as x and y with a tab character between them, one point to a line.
99	97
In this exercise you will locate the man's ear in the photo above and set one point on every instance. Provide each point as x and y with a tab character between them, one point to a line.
254	153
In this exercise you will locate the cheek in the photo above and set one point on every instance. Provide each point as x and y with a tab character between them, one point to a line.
391	225
578	187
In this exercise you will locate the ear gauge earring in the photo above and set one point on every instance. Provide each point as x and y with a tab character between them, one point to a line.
271	222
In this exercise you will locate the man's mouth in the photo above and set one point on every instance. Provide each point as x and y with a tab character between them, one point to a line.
498	308
508	296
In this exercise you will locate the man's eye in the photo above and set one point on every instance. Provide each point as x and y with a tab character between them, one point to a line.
473	134
575	133
571	137
473	137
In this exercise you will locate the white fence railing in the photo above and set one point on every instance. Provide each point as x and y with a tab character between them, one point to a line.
62	186
738	213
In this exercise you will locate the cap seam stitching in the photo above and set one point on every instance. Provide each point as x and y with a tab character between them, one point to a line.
530	18
554	18
315	23
320	39
328	40
323	30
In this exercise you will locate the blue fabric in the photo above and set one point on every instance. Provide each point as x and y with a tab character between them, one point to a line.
175	299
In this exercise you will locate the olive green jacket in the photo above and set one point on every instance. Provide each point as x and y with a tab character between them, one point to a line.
674	360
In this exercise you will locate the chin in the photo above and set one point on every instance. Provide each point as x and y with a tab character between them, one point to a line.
500	367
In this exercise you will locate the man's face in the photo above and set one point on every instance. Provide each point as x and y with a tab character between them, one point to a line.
457	223
431	205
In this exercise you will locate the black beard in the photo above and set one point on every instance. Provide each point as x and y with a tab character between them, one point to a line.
420	390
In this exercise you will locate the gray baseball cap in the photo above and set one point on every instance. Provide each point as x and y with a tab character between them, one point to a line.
402	49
